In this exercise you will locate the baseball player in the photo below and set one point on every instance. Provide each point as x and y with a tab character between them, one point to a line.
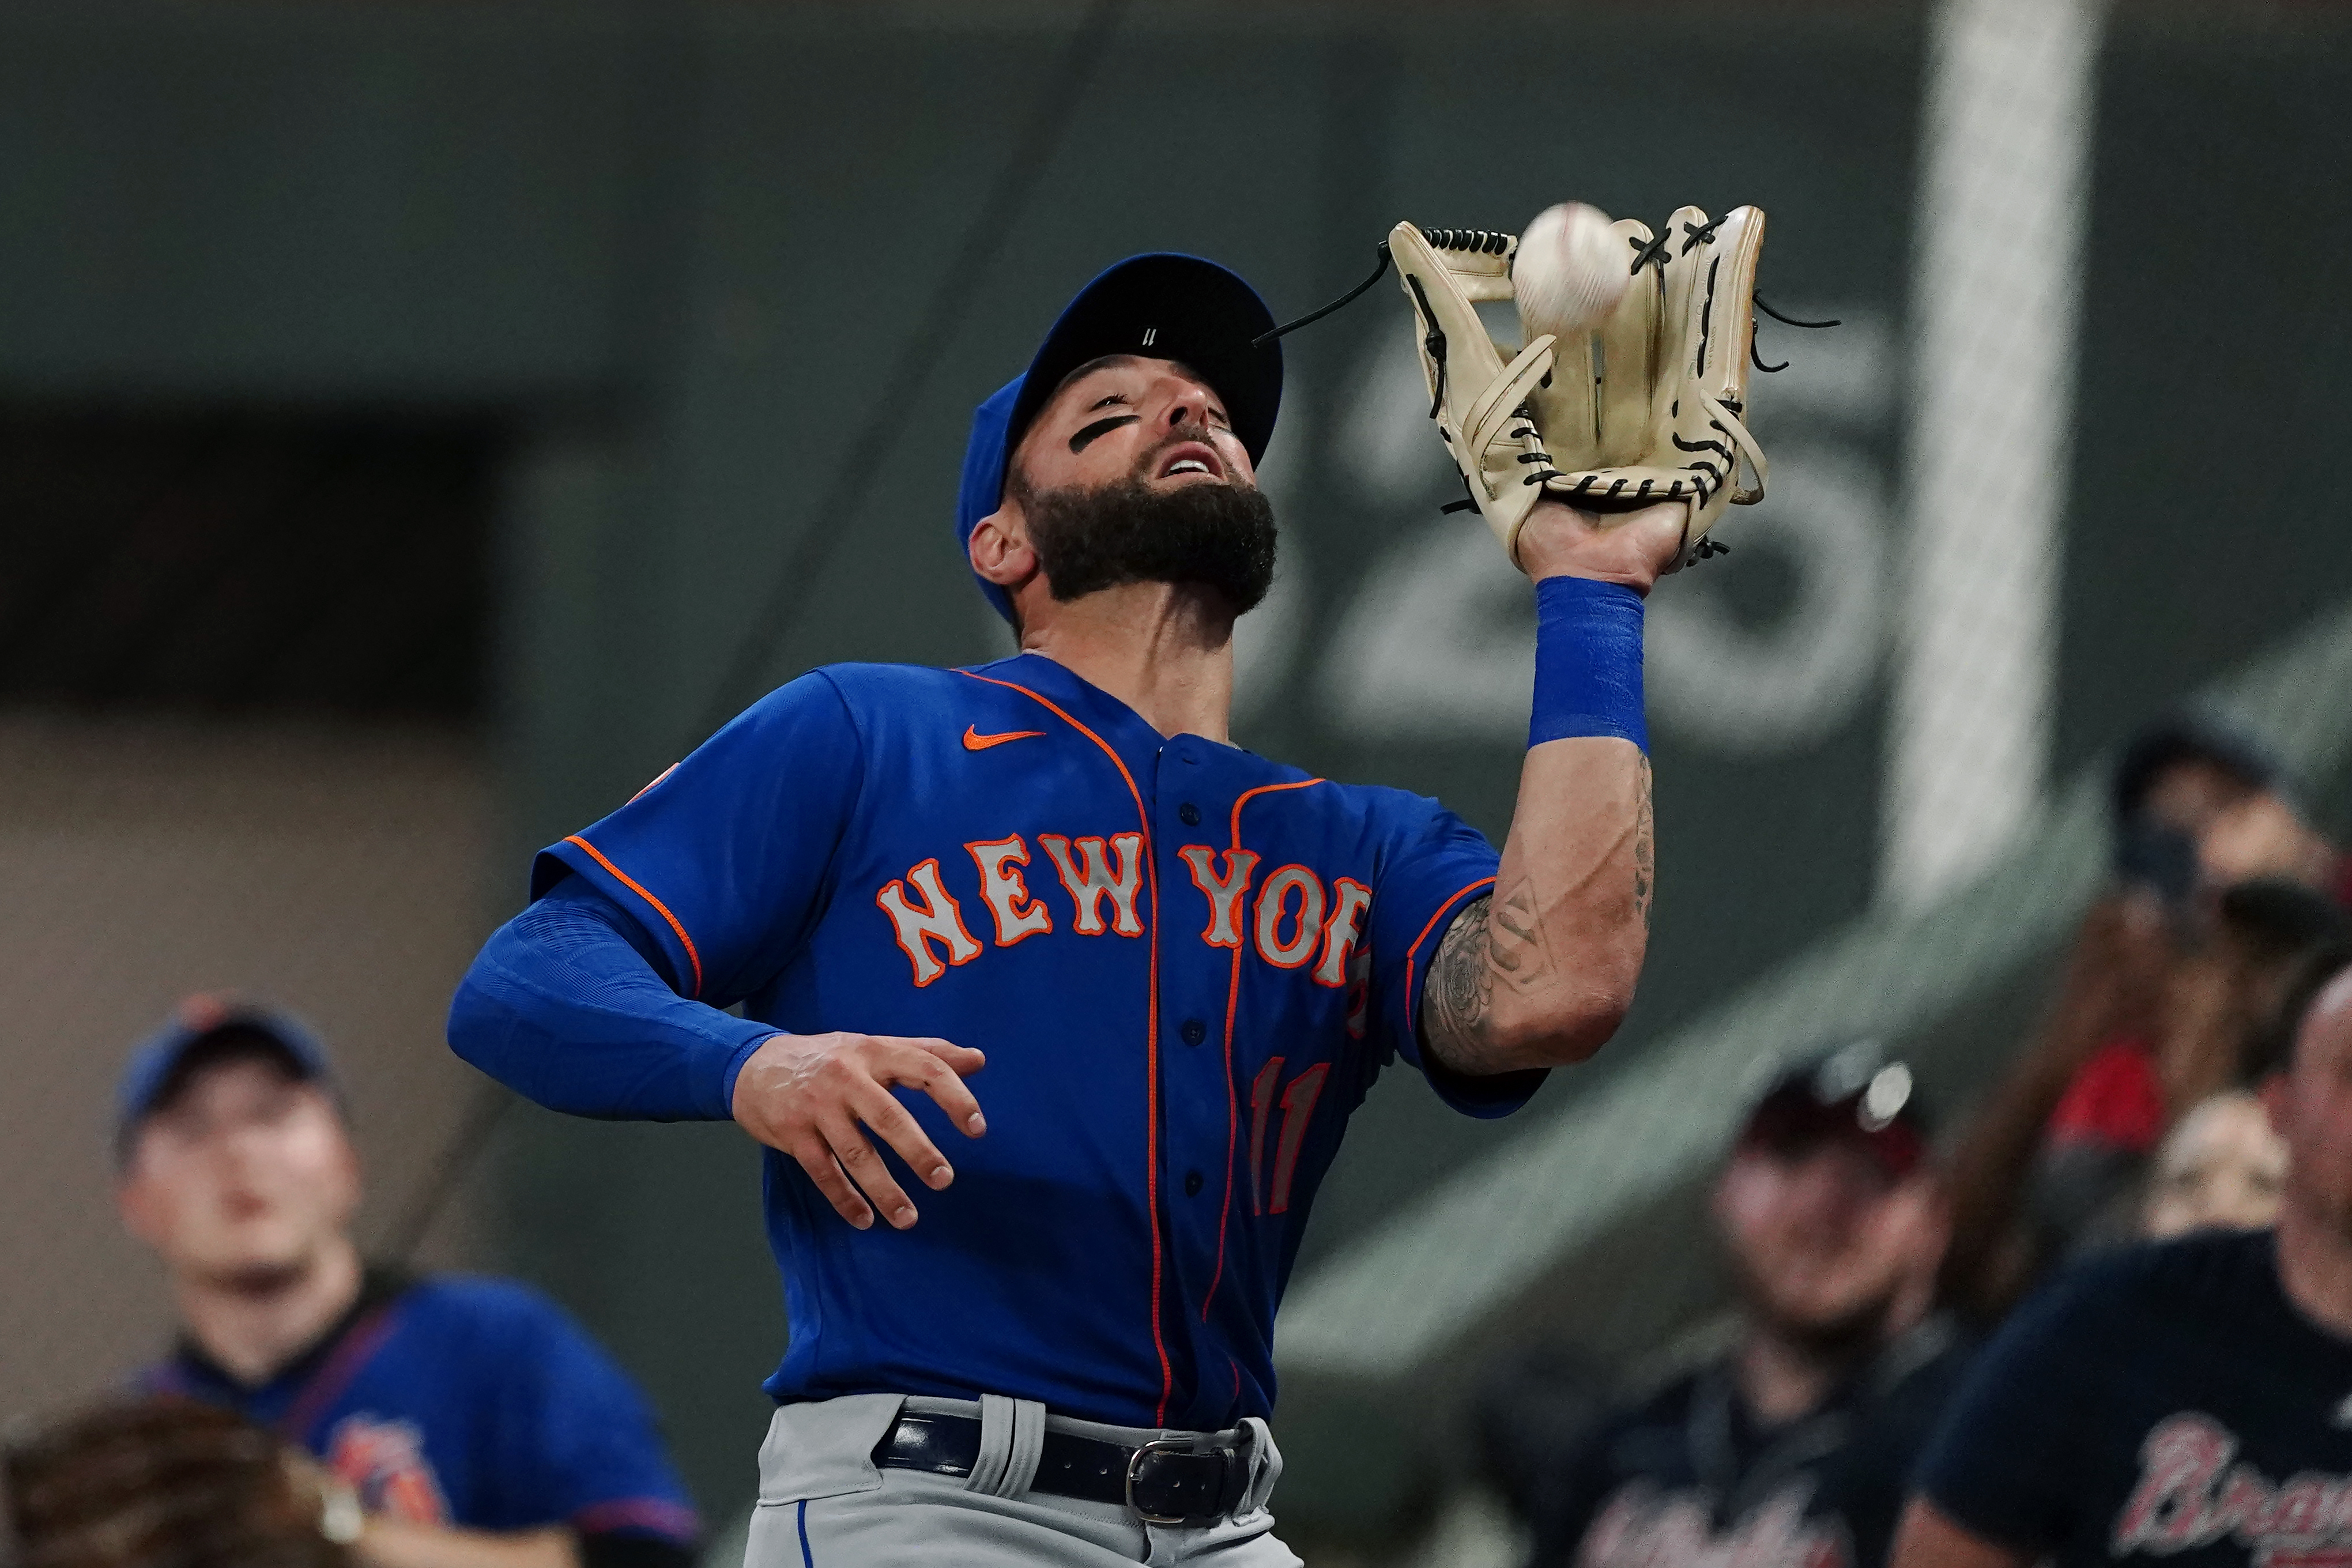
1034	942
2188	1402
477	1426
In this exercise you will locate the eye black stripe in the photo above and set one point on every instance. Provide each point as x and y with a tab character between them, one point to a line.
1084	438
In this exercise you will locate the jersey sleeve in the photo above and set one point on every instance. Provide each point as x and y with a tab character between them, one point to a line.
576	1441
1438	866
724	859
1998	1462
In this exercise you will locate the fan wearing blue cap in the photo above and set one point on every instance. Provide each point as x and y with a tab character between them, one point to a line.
1044	913
476	1425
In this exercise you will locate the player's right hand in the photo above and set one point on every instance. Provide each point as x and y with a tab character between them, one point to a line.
1633	548
815	1095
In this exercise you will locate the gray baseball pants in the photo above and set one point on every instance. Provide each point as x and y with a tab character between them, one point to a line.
823	1503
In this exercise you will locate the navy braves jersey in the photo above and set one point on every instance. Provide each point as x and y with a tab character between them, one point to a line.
464	1401
1689	1478
2167	1402
1185	964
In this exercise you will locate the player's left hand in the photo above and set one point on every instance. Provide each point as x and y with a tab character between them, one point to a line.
1629	547
814	1097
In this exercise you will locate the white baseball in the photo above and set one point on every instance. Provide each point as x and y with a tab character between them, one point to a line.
1570	272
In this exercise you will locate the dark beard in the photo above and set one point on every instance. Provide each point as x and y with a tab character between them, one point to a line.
1219	536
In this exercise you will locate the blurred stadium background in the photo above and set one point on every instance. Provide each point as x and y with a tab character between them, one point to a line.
419	423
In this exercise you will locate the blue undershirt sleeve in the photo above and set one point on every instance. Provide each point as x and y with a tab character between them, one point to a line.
606	996
566	1006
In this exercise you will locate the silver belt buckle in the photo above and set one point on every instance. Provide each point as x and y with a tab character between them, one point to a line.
1135	1463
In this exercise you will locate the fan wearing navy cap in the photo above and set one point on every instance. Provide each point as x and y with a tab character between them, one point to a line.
1042	913
477	1426
1794	1447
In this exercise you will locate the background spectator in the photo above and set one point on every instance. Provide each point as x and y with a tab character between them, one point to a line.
2221	887
478	1426
2221	1167
2183	1401
1795	1446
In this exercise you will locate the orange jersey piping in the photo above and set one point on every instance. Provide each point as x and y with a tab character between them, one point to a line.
1412	998
662	908
1151	1038
1233	999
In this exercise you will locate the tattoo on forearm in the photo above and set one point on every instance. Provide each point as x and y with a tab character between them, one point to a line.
1460	981
1505	939
1491	941
1645	852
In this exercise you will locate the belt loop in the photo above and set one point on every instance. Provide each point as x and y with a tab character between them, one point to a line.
997	1419
1027	1446
1264	1463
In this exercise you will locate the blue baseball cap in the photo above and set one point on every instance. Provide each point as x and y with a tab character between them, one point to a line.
155	1064
1161	305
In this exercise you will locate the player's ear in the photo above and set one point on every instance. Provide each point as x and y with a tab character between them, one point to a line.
1000	548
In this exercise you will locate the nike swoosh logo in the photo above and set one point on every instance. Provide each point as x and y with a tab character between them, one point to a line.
973	741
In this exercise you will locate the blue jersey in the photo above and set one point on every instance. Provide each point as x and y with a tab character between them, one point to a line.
467	1402
1186	965
2164	1405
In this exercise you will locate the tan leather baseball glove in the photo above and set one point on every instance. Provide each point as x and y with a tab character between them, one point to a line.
1650	406
156	1482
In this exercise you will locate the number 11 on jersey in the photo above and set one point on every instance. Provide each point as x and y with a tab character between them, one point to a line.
1298	1102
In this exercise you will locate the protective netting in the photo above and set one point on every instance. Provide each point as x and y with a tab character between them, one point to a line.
2051	478
1997	589
2004	155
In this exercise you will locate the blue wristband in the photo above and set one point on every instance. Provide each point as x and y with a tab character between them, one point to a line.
1588	661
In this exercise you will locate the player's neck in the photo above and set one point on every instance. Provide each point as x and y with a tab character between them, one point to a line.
1160	649
253	1327
2315	1263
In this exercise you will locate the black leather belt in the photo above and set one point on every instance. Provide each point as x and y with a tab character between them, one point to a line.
1171	1482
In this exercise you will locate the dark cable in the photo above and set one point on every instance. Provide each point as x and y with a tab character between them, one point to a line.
447	1174
951	302
1380	267
828	520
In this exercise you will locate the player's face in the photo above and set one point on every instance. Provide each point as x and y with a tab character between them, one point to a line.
245	1176
1823	1238
2312	1108
1130	474
1149	419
